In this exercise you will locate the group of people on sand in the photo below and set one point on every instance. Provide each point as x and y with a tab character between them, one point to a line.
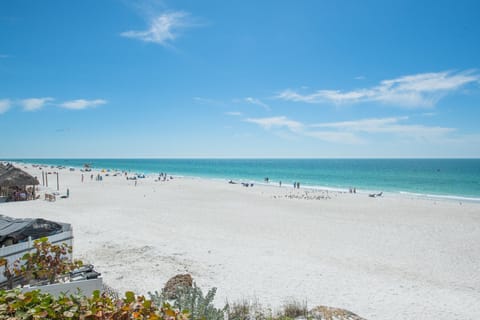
162	176
20	195
296	185
98	178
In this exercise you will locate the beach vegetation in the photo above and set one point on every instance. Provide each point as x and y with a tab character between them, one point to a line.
45	263
201	307
238	310
8	271
253	310
247	310
190	304
292	309
192	300
37	305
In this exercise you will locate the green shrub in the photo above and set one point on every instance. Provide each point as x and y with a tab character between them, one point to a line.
45	263
37	305
192	300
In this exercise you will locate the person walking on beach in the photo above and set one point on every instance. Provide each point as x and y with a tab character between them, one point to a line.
280	183
82	177
135	182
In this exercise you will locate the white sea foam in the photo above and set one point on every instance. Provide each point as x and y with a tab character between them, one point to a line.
440	197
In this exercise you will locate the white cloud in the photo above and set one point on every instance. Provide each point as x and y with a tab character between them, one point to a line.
257	102
302	130
234	113
356	131
5	104
82	104
420	90
33	104
368	125
163	28
387	125
272	122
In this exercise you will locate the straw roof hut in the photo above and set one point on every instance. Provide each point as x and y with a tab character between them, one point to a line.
3	168
15	177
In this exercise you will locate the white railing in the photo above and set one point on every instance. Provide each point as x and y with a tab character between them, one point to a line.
16	251
86	287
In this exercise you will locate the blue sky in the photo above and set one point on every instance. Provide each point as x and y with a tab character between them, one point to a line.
180	78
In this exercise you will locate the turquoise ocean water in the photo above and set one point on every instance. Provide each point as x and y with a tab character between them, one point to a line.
450	178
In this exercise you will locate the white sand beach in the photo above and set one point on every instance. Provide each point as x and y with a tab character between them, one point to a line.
392	257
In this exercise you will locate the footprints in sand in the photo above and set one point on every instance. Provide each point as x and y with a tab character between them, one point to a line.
147	267
306	195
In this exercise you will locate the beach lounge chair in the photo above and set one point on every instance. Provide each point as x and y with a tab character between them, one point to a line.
50	197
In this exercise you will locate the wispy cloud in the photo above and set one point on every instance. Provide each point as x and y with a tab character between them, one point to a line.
33	104
234	113
276	122
354	132
162	29
387	125
257	102
4	56
368	125
5	104
420	90
335	137
82	104
301	129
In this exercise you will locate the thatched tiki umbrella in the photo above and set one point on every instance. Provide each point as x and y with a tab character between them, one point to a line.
11	177
4	168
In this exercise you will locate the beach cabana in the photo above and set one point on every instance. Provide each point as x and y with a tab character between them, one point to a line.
16	184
